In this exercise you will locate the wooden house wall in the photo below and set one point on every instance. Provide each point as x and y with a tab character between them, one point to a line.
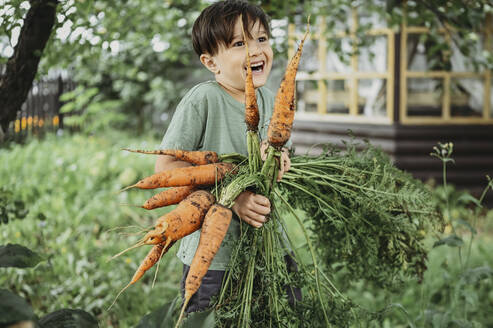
410	147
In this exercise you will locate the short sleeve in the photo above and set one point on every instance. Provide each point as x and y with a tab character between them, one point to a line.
186	128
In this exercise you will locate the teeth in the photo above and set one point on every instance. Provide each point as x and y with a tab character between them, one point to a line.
257	64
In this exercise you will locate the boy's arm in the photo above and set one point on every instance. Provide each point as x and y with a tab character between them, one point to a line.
249	207
165	162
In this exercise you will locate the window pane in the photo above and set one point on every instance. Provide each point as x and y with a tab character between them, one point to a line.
307	96
427	52
373	56
309	61
466	97
424	97
372	100
337	96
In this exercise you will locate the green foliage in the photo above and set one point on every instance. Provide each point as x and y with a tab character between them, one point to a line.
133	53
14	308
68	318
463	22
11	208
205	319
87	110
70	185
456	289
13	255
349	196
166	315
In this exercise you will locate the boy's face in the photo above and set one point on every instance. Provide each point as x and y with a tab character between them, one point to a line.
229	63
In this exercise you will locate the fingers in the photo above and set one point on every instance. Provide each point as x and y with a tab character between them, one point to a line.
252	208
263	150
287	160
281	168
254	219
262	203
284	163
252	222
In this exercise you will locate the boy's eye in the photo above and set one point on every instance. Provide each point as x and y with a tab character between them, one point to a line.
262	39
238	44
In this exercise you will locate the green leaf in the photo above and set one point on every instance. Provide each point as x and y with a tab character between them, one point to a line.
452	241
205	319
14	255
161	317
14	308
67	108
467	225
68	318
467	198
70	95
472	276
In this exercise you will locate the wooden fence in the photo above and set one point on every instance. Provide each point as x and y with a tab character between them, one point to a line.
40	113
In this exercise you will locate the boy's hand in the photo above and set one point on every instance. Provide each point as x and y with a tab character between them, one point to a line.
284	161
252	208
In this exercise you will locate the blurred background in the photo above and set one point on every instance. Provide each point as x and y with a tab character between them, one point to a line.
79	80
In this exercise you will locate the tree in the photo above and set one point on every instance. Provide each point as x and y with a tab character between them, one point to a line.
23	65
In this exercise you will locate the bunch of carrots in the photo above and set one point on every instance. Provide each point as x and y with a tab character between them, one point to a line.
198	208
187	188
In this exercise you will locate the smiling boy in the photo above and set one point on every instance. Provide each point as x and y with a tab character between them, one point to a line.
211	116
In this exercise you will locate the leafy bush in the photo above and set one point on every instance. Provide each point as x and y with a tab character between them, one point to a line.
457	287
70	186
10	208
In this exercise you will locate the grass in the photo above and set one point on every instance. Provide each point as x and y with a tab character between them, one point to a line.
70	187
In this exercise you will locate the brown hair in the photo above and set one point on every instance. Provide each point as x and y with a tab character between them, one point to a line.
216	23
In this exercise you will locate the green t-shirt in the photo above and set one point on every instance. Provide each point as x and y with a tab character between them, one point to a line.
208	118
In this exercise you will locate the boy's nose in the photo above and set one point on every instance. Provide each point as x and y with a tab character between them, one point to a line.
254	48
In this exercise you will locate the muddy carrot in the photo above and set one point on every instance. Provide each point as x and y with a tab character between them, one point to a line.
284	105
167	197
185	219
251	107
214	230
185	176
194	157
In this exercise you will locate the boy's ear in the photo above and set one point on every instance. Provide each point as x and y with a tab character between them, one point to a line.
210	63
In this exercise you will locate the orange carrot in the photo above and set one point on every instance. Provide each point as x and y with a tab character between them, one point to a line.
185	219
214	230
167	197
282	118
251	107
185	176
193	157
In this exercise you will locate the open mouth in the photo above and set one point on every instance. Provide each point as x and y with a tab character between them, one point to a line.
257	66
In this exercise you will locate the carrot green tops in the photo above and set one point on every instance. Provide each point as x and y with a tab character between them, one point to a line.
208	118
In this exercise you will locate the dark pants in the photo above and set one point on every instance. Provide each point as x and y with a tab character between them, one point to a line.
211	285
